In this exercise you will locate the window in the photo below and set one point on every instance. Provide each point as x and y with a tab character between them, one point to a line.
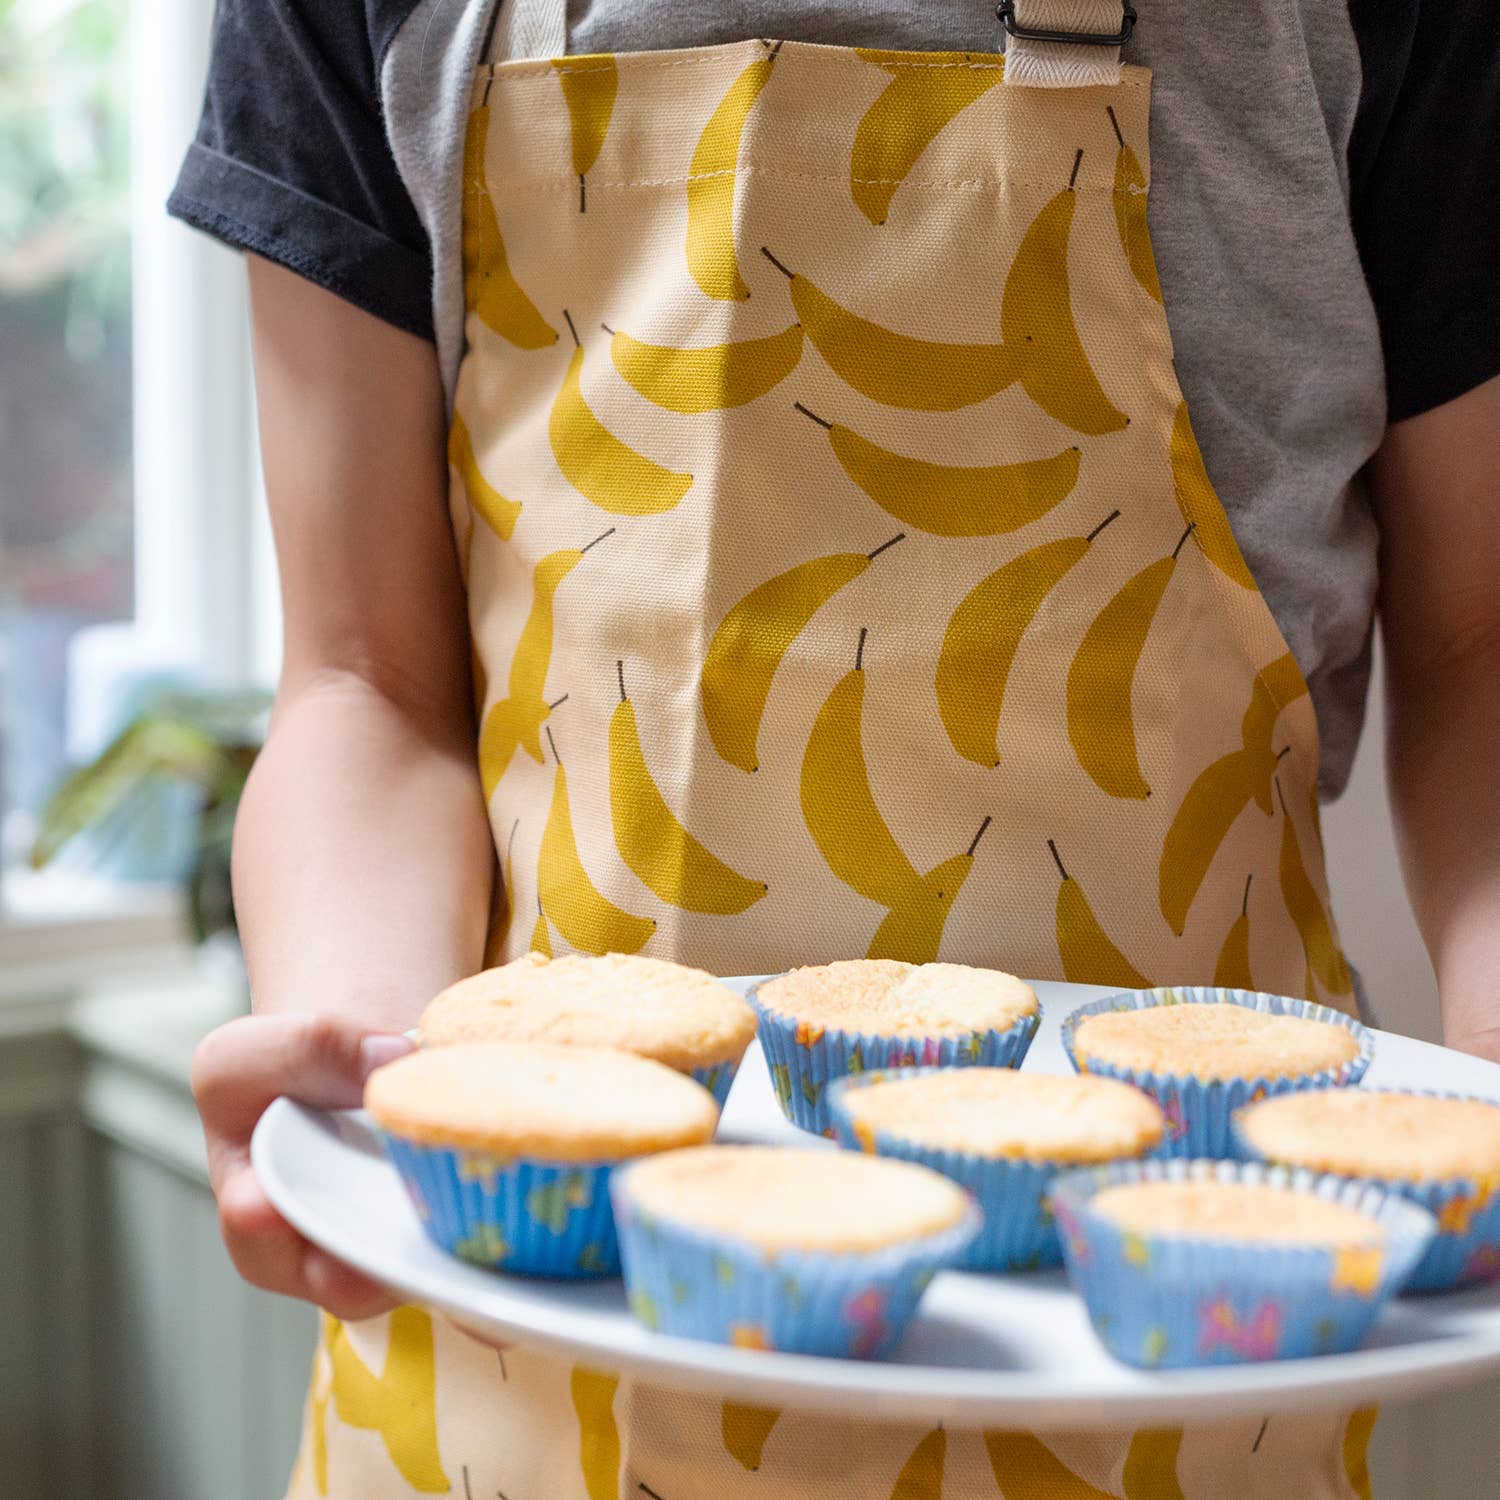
133	545
65	314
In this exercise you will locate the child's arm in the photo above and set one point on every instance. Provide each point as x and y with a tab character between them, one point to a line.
362	859
1437	491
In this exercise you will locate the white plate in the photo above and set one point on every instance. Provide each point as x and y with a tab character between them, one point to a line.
983	1350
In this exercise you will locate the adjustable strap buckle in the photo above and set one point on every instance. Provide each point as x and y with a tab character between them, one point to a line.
1005	13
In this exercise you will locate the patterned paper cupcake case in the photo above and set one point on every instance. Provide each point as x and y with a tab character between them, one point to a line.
718	1079
531	1218
1466	1248
804	1058
688	1282
1198	1111
1164	1301
1019	1233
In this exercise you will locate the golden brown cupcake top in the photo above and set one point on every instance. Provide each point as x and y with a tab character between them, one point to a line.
1369	1133
884	997
1216	1040
541	1101
682	1017
1246	1211
1000	1112
797	1199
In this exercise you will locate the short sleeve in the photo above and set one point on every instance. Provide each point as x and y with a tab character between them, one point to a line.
1425	191
291	158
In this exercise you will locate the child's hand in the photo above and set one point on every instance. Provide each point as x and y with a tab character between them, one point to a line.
322	1060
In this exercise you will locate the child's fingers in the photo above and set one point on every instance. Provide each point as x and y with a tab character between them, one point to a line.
270	1254
319	1059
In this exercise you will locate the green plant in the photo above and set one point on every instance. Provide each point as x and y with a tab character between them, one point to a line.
206	740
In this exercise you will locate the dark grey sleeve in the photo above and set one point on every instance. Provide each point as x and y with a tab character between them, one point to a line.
291	158
1425	183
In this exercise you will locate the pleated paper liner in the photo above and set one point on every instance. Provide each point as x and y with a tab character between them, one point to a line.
1166	1301
1198	1111
804	1059
686	1281
1466	1247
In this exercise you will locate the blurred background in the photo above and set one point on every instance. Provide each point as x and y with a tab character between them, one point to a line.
138	640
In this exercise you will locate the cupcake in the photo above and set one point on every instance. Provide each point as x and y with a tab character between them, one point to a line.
818	1024
1001	1134
674	1015
811	1252
1219	1262
1440	1150
506	1147
1202	1053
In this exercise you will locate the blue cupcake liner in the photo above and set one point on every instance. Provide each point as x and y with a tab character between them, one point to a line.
688	1282
718	1079
805	1059
1161	1301
533	1218
1466	1247
1198	1112
1019	1233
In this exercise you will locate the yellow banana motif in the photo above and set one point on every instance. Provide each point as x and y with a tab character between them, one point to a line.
665	857
597	464
1101	682
1151	1465
1088	956
1357	1450
1200	506
752	639
983	636
699	380
1035	310
502	905
745	1430
518	719
498	513
950	499
598	1433
1275	686
1232	971
893	368
589	85
541	939
913	929
491	291
587	919
1025	1468
1130	215
921	1476
400	1404
1223	789
1218	795
854	839
710	188
899	126
839	807
1304	904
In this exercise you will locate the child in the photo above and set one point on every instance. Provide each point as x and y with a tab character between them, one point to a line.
837	553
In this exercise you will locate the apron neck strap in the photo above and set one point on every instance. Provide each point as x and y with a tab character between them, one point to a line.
1048	43
526	29
1064	43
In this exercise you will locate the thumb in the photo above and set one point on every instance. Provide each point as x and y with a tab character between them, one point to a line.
319	1059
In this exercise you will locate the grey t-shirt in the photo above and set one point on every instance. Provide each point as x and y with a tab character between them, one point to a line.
1325	210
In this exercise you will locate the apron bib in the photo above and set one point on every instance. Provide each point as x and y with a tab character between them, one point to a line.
844	578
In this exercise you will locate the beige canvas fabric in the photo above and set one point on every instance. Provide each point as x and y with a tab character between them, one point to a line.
701	508
843	579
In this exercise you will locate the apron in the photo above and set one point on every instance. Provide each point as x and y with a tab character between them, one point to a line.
844	578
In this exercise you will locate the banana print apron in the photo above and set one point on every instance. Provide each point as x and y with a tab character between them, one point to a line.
844	578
